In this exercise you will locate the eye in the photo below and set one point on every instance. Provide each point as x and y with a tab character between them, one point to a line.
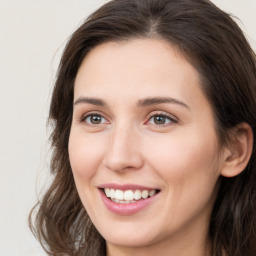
94	119
161	120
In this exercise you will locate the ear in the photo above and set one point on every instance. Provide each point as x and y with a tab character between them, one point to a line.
237	156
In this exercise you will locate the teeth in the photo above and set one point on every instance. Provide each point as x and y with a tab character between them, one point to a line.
144	194
112	193
107	191
119	194
137	195
152	192
123	202
128	196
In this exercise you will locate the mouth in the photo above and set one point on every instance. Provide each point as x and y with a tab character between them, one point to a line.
127	199
129	196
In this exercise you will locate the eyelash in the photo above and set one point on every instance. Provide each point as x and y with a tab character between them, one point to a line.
84	117
171	119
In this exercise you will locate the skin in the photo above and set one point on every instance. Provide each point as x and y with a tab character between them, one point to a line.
182	158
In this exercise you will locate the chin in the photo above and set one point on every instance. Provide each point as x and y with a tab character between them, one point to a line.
129	241
130	237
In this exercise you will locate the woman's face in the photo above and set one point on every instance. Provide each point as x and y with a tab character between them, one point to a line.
142	128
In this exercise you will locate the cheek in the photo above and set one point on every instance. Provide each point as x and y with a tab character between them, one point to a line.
190	169
85	155
187	161
85	159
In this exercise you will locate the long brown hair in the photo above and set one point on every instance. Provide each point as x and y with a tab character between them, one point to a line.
217	48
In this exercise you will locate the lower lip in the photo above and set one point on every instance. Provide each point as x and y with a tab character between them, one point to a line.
126	209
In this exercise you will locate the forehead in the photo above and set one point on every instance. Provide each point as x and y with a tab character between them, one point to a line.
139	68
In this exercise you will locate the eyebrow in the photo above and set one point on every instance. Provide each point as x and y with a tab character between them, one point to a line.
93	101
141	103
160	100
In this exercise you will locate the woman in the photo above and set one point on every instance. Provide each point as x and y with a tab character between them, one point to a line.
153	116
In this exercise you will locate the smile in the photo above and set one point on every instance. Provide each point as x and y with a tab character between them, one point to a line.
128	196
125	200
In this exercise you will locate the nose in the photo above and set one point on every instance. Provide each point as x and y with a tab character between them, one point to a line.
123	152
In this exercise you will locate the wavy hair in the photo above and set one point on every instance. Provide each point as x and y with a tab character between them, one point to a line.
215	45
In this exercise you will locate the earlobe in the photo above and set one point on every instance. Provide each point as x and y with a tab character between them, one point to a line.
237	156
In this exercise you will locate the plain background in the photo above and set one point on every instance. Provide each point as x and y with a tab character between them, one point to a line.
32	37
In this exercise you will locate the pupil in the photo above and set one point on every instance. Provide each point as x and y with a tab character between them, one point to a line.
159	120
95	119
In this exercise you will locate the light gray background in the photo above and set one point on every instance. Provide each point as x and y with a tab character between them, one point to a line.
32	37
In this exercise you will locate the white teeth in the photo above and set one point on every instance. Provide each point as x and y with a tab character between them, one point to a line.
119	194
144	194
123	202
107	191
128	196
112	193
152	192
137	195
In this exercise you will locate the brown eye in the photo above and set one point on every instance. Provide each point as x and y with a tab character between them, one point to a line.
159	119
94	119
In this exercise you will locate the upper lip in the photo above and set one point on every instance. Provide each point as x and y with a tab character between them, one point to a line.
126	186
